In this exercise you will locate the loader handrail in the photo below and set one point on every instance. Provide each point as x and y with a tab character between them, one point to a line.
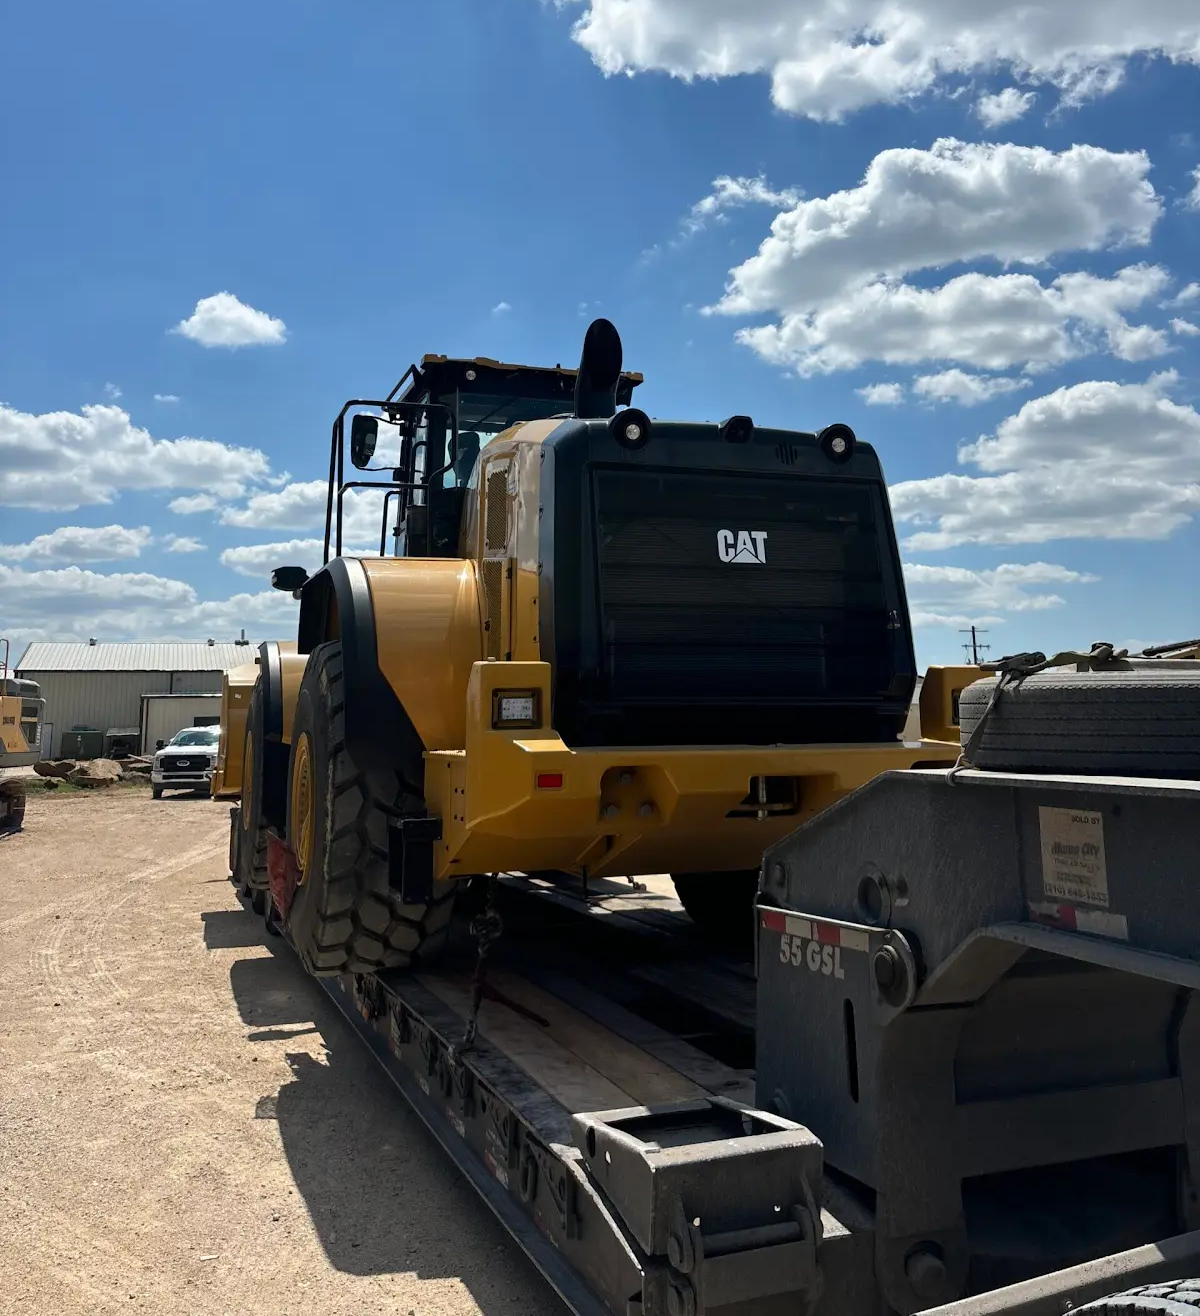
408	414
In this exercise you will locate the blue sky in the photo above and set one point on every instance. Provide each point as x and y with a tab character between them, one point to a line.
969	233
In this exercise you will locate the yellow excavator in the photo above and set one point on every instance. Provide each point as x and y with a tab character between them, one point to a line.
596	644
21	715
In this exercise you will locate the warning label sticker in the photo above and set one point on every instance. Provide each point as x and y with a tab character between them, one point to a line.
1073	865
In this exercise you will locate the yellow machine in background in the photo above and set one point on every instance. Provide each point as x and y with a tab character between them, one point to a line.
601	645
21	715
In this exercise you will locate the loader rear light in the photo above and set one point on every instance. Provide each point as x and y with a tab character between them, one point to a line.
513	709
549	781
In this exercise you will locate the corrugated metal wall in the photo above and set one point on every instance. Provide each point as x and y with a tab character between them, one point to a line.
164	717
100	700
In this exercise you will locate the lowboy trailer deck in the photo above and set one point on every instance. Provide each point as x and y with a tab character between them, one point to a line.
1005	1108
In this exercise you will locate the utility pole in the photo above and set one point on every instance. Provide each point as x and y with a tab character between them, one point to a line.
972	647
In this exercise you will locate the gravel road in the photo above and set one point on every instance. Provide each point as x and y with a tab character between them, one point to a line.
186	1124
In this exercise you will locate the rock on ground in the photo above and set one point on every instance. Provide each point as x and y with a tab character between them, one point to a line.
95	772
54	767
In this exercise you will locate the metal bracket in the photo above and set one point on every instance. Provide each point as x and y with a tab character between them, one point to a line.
410	858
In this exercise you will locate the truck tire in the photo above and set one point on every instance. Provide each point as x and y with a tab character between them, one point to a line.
1135	722
721	905
344	917
251	876
156	792
1179	1297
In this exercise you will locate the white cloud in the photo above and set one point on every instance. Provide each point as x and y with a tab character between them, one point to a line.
190	504
184	544
829	58
77	543
1186	296
166	397
733	193
957	596
112	392
1004	107
988	322
1193	197
301	506
500	308
881	395
832	269
294	507
73	604
1185	328
965	389
955	202
224	321
62	460
1093	460
259	560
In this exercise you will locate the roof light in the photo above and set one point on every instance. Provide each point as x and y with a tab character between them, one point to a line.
630	428
837	442
737	429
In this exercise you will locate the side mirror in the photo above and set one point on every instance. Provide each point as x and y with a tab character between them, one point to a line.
158	744
289	579
364	434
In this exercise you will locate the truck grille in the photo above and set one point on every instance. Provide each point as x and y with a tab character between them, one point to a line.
183	765
810	621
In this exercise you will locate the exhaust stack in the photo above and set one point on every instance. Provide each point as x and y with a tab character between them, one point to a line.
599	372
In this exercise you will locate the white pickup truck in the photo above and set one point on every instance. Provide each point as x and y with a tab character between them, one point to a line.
186	761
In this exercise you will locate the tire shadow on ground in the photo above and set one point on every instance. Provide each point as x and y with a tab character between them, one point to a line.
382	1195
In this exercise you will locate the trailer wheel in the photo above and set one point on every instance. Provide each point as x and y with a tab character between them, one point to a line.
251	874
344	917
1138	722
721	905
1178	1298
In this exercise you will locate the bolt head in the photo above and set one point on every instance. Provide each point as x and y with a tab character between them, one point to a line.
645	809
926	1272
888	968
610	810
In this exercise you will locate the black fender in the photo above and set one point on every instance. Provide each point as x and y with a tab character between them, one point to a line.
380	737
274	752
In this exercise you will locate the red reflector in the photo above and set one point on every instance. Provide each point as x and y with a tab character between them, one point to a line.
774	920
549	781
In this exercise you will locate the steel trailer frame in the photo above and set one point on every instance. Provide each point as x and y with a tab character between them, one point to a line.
667	1209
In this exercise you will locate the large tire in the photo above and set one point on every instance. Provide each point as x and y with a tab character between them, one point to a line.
1136	722
344	917
251	874
721	905
1177	1298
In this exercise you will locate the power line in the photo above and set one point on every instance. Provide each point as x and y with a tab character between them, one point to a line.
972	647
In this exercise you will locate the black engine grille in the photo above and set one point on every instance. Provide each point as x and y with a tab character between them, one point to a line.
677	623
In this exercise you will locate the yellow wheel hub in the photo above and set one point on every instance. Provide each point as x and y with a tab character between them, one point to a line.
304	805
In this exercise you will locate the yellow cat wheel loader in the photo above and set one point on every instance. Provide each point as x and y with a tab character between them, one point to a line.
21	714
591	643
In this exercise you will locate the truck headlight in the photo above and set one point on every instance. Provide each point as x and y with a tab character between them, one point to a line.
513	709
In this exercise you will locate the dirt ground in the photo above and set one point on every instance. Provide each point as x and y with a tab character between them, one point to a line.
186	1123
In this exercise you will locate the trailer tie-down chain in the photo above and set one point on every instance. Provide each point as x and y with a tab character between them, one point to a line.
486	928
1011	671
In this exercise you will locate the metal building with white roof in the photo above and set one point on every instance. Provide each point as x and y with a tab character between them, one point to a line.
99	687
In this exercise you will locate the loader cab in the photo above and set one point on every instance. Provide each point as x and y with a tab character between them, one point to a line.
426	436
